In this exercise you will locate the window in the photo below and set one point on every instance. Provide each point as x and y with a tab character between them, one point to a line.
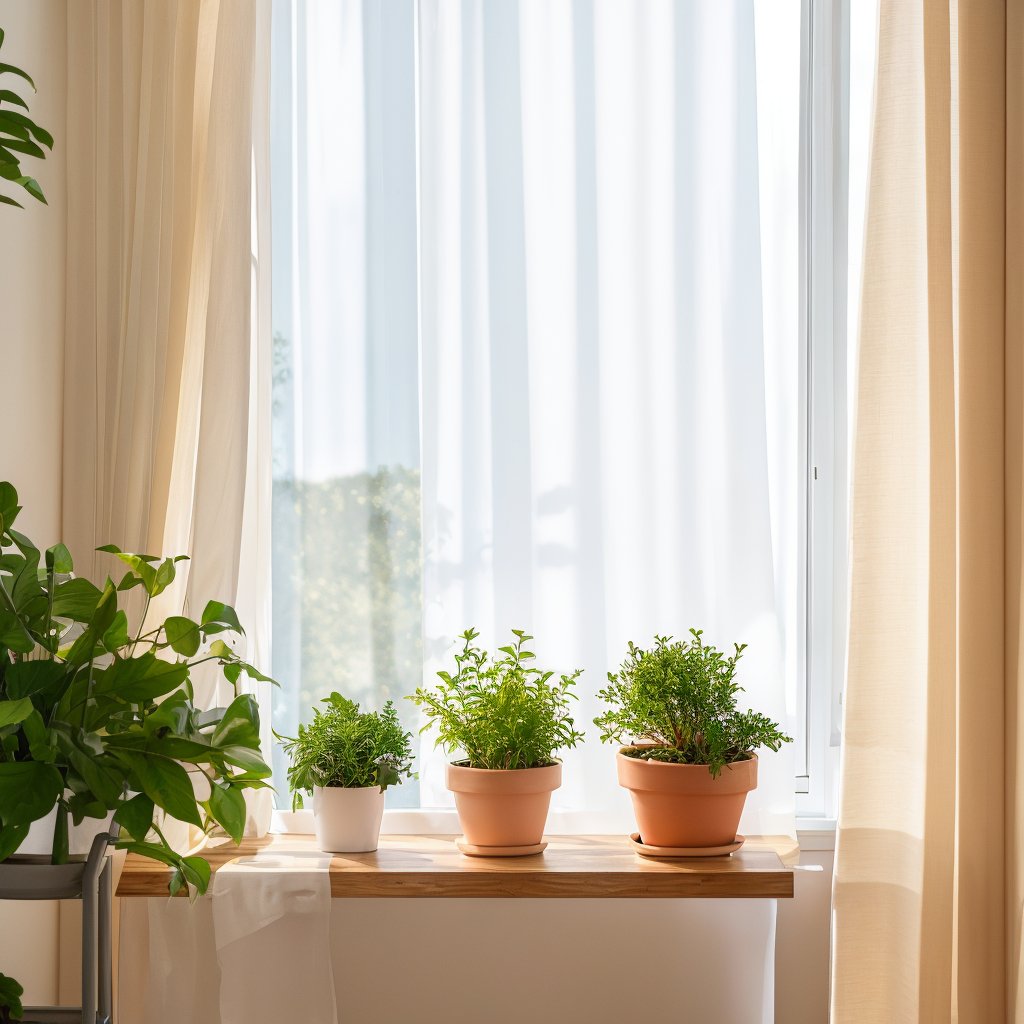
558	345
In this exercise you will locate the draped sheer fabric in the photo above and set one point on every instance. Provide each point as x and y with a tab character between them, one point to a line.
928	879
535	313
167	385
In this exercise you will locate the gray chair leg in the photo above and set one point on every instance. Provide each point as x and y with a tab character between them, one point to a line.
106	940
89	971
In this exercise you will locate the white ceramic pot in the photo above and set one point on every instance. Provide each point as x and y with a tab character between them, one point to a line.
39	841
347	820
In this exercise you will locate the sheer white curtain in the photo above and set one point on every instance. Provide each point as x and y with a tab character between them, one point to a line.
536	297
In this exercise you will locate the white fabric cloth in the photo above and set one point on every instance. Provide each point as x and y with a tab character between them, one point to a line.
271	920
587	213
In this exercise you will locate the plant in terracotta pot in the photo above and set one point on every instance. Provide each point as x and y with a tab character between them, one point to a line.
507	719
347	759
691	754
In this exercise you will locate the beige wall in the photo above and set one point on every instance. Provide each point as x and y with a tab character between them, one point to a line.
32	372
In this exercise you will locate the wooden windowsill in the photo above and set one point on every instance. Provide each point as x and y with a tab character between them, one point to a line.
572	867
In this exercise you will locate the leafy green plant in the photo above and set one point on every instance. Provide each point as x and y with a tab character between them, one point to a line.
97	716
10	1000
20	136
681	699
502	714
345	747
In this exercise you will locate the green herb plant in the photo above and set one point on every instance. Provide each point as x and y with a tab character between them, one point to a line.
679	699
501	713
20	136
345	747
97	716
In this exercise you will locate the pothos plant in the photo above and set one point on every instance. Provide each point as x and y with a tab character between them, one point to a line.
502	713
98	715
345	747
680	700
20	136
10	1000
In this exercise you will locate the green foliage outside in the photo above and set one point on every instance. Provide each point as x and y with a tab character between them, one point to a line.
342	746
347	605
97	713
20	136
501	713
681	697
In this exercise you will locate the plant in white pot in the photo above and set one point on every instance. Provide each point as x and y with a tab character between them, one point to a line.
507	719
347	758
690	758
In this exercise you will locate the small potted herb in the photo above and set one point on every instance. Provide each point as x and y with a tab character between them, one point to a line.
691	756
507	719
347	759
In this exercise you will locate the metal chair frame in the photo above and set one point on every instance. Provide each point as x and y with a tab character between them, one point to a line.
91	882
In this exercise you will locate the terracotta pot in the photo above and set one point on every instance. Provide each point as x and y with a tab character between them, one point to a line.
347	820
503	808
682	805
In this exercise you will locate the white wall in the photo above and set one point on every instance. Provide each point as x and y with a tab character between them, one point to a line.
32	375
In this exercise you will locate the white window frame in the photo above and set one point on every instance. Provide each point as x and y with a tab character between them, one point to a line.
824	186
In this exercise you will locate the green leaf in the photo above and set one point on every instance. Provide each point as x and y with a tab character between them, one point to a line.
116	635
28	791
40	740
219	649
167	784
175	748
8	96
13	633
197	872
136	816
248	760
9	507
139	563
10	996
75	599
21	146
240	724
8	201
32	187
227	805
11	837
26	678
104	775
14	712
58	559
218	613
13	119
10	69
182	634
140	679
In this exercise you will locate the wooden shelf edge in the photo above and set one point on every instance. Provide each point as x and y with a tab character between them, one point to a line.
573	867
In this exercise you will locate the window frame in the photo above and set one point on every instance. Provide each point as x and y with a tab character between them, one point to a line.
823	428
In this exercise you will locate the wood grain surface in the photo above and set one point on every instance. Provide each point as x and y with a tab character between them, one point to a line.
572	867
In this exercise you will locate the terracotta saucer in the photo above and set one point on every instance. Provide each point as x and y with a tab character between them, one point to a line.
497	851
684	851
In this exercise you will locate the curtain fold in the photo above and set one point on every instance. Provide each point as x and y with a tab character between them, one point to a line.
927	902
167	386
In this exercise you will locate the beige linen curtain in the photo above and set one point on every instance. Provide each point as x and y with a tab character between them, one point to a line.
166	396
928	874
